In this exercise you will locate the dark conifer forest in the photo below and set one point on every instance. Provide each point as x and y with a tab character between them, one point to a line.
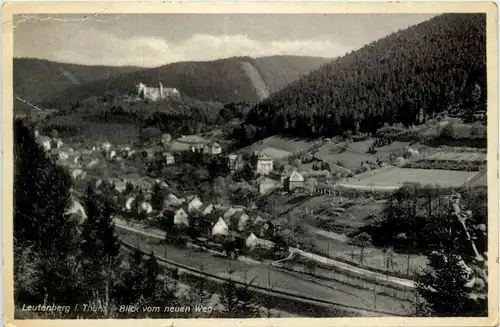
432	67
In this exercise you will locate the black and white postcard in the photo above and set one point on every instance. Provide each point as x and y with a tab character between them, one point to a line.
176	164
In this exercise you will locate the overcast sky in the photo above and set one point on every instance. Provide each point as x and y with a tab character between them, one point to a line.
155	39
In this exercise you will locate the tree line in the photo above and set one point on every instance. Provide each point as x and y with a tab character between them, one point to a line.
405	77
176	116
423	220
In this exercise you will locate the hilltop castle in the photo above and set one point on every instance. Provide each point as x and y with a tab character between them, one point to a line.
156	93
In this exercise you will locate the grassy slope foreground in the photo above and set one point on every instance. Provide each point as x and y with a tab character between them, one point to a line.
430	67
224	80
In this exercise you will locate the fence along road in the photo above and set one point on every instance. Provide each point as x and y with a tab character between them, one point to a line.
316	296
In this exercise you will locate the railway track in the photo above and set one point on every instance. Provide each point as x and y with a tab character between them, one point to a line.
329	308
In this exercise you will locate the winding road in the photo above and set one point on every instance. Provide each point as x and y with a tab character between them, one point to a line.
262	274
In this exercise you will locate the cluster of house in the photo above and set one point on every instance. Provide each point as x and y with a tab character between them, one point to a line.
79	160
213	148
212	221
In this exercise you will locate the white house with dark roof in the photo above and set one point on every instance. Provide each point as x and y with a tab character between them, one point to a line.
168	158
194	204
253	241
212	148
220	228
264	164
180	216
295	180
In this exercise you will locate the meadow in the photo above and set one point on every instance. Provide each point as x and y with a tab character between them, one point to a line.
352	154
398	176
280	147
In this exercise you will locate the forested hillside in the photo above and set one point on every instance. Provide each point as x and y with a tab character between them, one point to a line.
424	69
222	80
35	79
279	71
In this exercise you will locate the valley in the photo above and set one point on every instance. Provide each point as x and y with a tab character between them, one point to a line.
334	181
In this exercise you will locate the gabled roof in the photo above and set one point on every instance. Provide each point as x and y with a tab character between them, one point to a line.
230	212
204	206
174	210
263	156
238	214
296	177
212	217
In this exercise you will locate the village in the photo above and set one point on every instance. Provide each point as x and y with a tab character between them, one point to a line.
277	184
291	165
133	193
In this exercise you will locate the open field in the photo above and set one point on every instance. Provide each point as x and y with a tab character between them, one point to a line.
360	146
396	177
458	129
480	180
435	129
275	154
307	168
461	130
456	156
328	228
372	257
280	146
353	218
184	143
349	160
393	147
356	152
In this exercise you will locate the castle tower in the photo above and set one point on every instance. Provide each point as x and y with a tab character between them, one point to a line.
161	90
141	90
